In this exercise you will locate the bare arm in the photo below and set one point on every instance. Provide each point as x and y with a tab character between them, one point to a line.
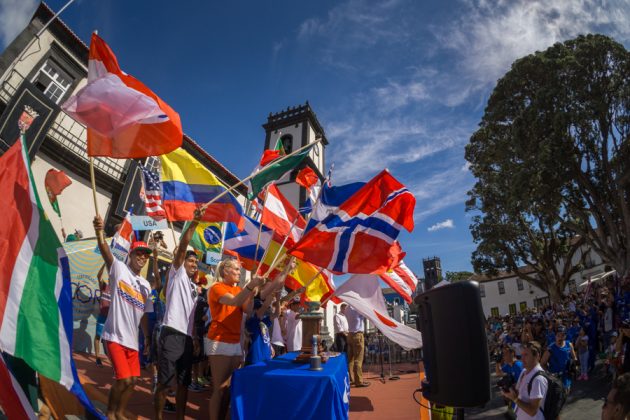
293	294
266	304
157	282
180	254
106	253
572	352
278	282
545	358
239	300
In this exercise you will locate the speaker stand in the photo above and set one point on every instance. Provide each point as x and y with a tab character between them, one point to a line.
391	377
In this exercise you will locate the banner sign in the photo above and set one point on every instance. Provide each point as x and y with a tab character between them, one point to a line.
213	258
147	223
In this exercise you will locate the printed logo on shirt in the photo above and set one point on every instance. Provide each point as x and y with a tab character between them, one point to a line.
264	332
131	295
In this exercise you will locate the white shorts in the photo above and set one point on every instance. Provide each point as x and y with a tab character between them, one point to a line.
219	348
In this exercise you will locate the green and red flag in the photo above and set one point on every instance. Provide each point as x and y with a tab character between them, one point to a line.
55	182
35	289
271	170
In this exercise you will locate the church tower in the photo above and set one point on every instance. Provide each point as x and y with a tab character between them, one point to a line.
296	127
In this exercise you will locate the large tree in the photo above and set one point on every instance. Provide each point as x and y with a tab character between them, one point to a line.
551	158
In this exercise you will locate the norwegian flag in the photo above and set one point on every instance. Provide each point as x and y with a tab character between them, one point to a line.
402	280
152	194
360	235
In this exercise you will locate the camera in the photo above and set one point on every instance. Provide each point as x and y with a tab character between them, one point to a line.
506	382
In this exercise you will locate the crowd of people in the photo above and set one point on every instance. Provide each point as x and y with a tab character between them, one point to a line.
561	343
195	333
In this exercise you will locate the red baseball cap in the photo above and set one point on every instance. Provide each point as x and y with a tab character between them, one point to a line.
140	246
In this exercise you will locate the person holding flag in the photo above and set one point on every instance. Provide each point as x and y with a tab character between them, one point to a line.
178	342
130	301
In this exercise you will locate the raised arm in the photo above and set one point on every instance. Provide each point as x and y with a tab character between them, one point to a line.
180	253
241	298
157	279
106	253
279	281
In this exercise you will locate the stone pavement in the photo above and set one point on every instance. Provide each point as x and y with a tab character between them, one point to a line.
584	403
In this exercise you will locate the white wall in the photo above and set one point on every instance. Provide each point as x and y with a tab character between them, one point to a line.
75	202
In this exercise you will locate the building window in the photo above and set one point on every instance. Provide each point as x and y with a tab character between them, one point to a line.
494	311
501	288
53	81
482	291
287	143
512	308
523	306
519	284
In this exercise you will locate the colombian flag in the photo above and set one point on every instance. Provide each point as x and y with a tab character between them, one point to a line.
187	185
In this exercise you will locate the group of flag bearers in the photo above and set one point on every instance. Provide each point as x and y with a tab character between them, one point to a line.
349	229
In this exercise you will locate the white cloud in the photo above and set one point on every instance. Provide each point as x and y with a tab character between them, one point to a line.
14	16
396	95
446	224
491	34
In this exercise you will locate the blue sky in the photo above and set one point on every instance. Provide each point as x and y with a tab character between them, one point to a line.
400	84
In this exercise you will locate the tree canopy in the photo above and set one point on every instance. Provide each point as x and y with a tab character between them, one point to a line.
551	161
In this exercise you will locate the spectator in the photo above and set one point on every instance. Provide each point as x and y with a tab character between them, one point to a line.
529	402
294	326
558	355
356	347
582	348
617	402
623	341
341	329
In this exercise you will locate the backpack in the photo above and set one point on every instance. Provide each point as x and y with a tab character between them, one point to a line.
555	397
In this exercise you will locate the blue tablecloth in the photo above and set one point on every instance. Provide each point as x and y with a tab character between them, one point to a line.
282	389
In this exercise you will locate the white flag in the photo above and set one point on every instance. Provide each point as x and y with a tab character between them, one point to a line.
363	293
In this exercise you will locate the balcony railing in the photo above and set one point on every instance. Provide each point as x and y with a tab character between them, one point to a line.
66	131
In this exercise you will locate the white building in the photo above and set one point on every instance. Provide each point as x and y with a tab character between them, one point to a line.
506	293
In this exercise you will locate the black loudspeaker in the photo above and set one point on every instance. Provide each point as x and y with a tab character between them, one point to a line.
455	348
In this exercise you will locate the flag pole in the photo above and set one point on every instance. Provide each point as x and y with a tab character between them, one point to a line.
244	180
327	297
173	232
275	258
93	179
259	233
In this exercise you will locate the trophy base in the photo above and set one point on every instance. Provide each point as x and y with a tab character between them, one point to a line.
306	358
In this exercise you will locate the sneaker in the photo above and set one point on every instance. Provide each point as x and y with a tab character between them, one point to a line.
195	387
169	407
99	362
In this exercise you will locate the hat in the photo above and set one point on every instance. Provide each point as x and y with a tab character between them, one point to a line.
140	246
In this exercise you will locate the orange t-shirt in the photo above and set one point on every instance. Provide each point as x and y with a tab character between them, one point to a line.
226	319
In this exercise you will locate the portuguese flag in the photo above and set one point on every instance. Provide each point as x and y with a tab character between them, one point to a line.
35	290
266	172
55	182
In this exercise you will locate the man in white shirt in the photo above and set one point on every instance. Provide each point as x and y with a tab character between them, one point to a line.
130	301
294	326
341	329
178	342
528	403
356	347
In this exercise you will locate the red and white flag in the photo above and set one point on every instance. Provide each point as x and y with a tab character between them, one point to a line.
13	401
125	119
122	240
402	280
363	293
278	214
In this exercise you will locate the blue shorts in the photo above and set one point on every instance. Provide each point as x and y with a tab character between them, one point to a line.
100	324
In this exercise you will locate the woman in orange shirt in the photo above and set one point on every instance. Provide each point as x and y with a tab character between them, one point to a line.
227	303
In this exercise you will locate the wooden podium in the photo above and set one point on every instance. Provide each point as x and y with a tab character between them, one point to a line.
311	325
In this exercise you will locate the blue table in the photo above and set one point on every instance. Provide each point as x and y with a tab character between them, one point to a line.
280	389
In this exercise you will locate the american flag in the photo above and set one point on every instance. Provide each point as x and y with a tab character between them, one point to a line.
152	195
